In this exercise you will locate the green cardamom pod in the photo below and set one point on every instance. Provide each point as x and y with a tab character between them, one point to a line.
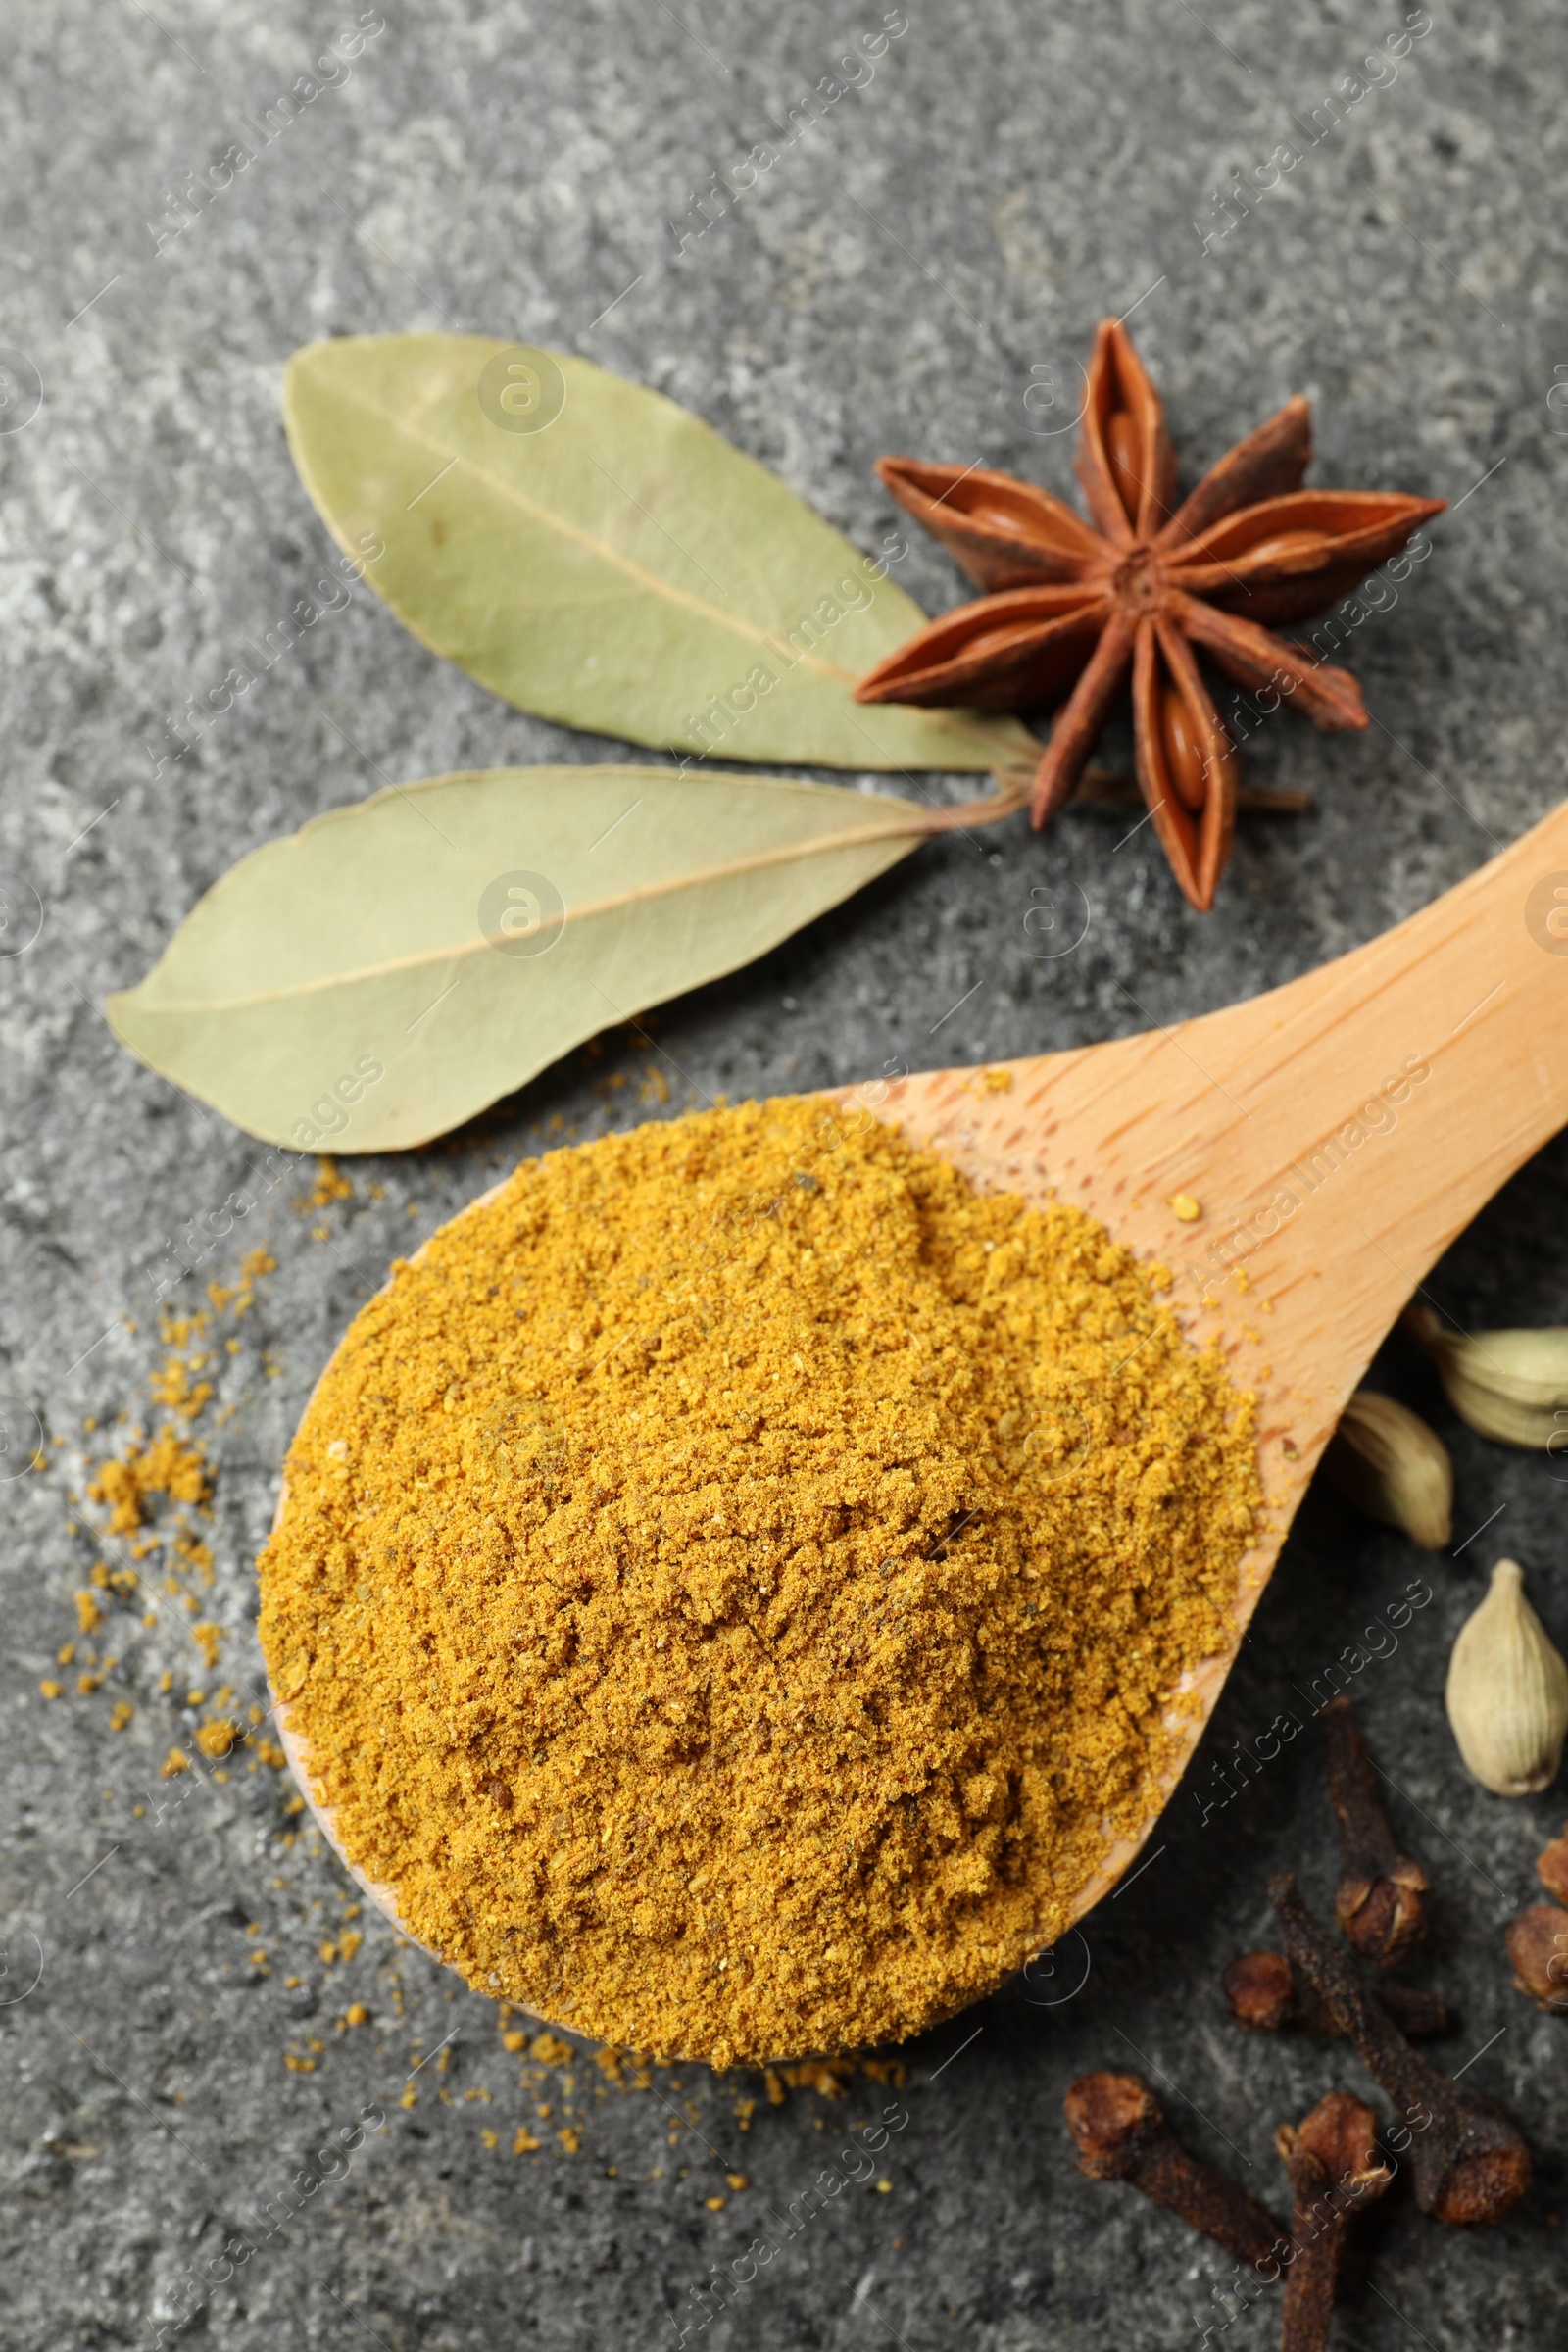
1507	1692
1509	1385
1385	1460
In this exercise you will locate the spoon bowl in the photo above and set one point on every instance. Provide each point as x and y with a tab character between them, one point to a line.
1298	1161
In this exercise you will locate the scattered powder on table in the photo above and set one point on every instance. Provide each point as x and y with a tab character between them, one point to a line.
735	1581
165	1465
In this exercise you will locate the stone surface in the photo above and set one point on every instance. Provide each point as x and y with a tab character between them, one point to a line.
921	269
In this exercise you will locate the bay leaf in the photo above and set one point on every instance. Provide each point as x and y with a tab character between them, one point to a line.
394	966
623	569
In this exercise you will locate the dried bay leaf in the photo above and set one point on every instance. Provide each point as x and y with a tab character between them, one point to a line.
394	966
624	570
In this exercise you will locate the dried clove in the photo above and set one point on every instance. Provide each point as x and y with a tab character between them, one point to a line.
1265	1993
1468	2163
1379	1903
1552	1868
1332	2159
1538	1947
1121	2135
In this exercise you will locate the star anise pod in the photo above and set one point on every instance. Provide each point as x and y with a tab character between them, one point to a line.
1079	608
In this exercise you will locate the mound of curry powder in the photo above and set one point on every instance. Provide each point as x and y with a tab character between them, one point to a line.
733	1581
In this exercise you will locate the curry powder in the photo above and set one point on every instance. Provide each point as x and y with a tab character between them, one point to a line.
737	1580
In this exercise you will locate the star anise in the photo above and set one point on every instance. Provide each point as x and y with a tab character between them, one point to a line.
1075	606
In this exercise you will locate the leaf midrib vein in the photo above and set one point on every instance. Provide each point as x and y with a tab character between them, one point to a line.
601	548
633	570
915	825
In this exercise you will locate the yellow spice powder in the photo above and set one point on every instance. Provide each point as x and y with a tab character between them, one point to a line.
165	1465
734	1583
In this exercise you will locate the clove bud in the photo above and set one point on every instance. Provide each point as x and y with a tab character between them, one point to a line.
1121	2135
1507	1692
1379	1903
1552	1868
1265	1993
1538	1947
1509	1385
1385	1460
1334	2169
1468	2163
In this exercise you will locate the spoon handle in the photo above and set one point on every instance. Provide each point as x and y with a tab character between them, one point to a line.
1334	1134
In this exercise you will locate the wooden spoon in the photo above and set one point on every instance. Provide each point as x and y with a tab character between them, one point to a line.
1336	1134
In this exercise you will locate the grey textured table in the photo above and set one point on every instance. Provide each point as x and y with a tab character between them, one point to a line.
921	269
